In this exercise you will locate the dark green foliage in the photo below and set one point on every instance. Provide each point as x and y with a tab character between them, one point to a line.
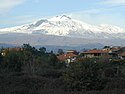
60	51
29	60
27	47
92	74
13	61
1	58
42	50
106	46
52	60
36	71
84	76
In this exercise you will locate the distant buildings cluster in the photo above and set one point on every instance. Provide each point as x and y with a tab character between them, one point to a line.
116	52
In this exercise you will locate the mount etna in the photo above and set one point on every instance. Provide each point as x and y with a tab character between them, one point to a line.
63	31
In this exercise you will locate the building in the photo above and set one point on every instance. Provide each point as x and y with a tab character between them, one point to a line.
72	51
67	58
94	53
122	55
113	52
5	51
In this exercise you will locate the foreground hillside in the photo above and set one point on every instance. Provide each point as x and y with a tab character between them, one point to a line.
28	70
17	83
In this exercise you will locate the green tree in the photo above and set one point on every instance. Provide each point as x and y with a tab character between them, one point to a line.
13	61
42	50
28	47
106	47
52	60
84	76
60	51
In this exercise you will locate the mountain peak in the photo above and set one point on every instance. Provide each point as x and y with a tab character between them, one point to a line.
61	18
65	16
40	22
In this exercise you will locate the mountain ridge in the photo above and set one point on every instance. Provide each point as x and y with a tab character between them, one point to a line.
66	26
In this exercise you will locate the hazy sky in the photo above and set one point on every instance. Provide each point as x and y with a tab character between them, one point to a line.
17	12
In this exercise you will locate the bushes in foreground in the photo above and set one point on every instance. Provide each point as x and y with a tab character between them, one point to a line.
35	71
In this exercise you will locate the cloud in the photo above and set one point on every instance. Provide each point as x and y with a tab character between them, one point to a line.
93	11
17	20
114	2
106	12
6	5
104	15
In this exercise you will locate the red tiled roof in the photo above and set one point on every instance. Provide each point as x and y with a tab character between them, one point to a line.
65	56
15	49
94	51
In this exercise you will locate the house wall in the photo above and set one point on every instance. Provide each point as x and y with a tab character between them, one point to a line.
95	55
88	55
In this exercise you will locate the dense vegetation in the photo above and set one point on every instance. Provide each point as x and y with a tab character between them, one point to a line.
33	71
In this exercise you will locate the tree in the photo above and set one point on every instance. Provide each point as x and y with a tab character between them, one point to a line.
13	61
52	60
1	58
60	51
29	48
84	76
106	46
42	50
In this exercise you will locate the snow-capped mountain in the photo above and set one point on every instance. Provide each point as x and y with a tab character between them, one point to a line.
66	26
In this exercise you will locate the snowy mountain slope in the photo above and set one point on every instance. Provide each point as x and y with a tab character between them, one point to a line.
66	26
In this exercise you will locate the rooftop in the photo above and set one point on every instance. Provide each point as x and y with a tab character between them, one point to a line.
94	51
66	56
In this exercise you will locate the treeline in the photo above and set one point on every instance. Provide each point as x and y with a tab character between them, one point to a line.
35	71
29	60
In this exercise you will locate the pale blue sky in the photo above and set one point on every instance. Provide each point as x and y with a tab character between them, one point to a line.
17	12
